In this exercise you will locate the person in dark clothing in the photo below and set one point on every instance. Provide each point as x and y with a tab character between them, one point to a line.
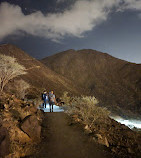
52	100
45	99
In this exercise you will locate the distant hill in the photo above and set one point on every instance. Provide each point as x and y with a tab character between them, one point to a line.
116	83
39	75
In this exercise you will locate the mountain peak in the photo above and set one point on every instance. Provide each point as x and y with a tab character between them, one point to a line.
109	79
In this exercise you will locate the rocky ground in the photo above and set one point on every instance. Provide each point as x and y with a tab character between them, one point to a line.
20	127
120	140
25	130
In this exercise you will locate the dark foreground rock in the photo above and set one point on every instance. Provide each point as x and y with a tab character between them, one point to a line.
19	127
30	125
4	142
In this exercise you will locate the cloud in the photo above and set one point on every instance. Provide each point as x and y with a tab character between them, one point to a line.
60	1
132	4
82	16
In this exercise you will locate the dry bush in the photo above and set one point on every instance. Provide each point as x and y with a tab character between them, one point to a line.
21	87
86	107
9	69
66	98
37	102
33	93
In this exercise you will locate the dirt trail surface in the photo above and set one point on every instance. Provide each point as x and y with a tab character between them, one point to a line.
62	140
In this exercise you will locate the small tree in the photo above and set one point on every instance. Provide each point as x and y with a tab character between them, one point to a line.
9	68
21	88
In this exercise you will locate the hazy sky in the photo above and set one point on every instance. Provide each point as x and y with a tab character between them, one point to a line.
46	27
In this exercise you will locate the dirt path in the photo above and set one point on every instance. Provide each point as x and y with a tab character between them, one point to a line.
61	140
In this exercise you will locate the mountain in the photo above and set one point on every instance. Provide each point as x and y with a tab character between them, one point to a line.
116	83
38	75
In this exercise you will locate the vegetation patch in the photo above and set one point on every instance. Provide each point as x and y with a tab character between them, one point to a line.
96	121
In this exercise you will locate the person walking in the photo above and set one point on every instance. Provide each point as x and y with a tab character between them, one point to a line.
52	100
45	99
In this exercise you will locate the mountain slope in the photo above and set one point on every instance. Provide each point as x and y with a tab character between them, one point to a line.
116	83
38	75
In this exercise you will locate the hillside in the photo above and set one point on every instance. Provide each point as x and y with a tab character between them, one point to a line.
116	83
38	75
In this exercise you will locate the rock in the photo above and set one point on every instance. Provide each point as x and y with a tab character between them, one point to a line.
31	127
6	124
4	142
33	109
87	129
106	143
20	136
15	114
6	106
78	120
102	140
74	116
99	136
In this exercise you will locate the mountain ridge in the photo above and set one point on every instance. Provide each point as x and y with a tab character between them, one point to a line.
39	75
115	82
74	50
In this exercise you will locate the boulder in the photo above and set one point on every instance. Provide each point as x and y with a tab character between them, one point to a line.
4	142
30	125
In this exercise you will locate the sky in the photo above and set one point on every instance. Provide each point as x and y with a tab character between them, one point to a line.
46	27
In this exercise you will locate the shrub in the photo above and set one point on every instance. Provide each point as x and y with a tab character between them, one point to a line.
21	88
9	69
37	102
86	107
66	98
